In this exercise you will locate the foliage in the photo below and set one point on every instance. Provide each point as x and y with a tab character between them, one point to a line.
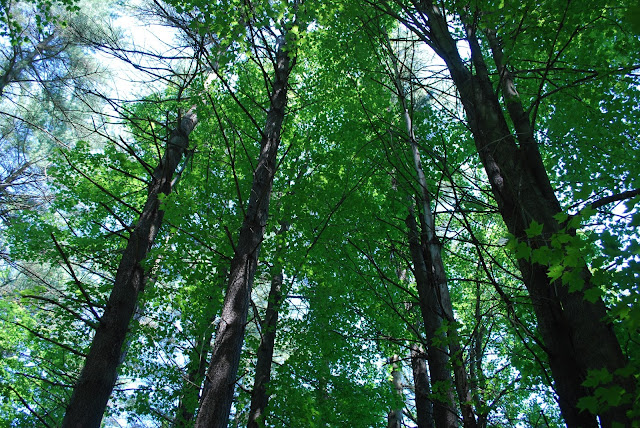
344	186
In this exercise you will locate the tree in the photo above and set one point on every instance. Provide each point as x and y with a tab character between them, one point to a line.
98	376
45	92
259	397
218	395
338	123
530	209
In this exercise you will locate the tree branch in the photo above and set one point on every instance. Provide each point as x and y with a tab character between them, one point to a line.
26	404
614	198
75	278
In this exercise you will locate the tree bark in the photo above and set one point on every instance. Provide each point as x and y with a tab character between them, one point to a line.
221	375
573	330
437	273
259	396
394	419
438	278
476	372
444	414
98	376
196	369
424	406
197	365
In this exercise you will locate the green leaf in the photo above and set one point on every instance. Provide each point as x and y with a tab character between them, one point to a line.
535	229
611	396
542	255
633	17
555	272
561	217
589	404
627	371
592	294
597	377
523	250
573	279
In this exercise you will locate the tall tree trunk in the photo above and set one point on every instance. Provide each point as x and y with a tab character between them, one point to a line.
444	413
476	372
394	419
433	254
259	396
573	330
424	406
196	369
98	376
438	278
197	365
221	375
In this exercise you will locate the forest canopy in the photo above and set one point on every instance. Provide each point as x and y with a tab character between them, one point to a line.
300	213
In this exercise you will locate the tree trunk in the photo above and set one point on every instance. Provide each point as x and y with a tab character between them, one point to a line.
97	379
197	366
394	419
476	372
444	413
437	274
573	330
438	278
424	406
216	402
259	396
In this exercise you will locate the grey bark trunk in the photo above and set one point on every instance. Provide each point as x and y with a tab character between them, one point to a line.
424	406
197	365
439	283
196	369
437	274
259	396
575	336
444	413
98	376
394	419
216	402
476	372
